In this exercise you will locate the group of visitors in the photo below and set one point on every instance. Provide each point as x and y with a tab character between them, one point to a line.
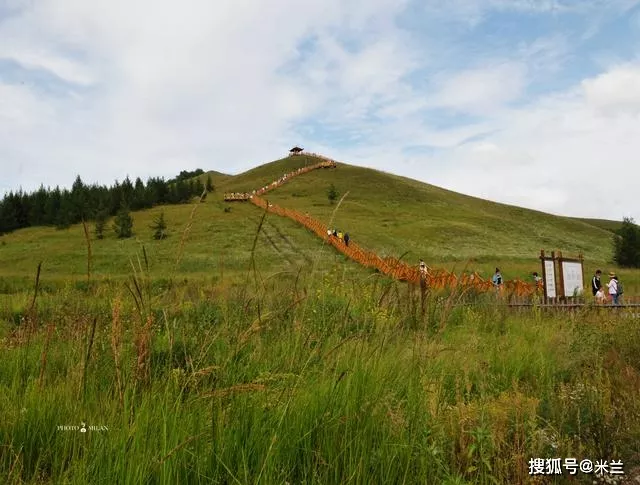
245	196
613	291
343	237
237	196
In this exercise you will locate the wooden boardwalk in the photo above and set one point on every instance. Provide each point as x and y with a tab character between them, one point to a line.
516	292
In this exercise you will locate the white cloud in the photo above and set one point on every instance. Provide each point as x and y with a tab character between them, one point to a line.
573	154
155	87
173	85
481	89
615	92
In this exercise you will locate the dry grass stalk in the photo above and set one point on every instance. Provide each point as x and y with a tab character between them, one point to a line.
234	389
143	351
116	345
179	447
88	355
89	256
30	319
43	358
187	228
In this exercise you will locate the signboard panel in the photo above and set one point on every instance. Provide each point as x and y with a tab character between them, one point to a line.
572	277
550	278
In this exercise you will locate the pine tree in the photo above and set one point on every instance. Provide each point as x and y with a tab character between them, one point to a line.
8	216
199	188
37	214
52	206
626	244
65	216
159	227
123	224
139	199
78	206
182	193
101	221
127	191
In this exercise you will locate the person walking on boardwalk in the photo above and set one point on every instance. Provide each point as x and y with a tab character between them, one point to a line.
613	288
346	239
596	284
340	235
423	268
619	290
497	278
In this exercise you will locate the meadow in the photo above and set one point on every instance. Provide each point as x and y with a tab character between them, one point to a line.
306	378
243	350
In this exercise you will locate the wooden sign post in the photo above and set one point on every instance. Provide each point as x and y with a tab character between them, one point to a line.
549	275
571	271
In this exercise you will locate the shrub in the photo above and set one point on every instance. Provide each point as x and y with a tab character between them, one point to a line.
626	244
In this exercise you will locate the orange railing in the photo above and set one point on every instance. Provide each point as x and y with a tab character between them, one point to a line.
233	196
433	278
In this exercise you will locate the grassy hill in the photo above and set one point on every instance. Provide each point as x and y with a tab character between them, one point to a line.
611	226
390	214
217	178
396	215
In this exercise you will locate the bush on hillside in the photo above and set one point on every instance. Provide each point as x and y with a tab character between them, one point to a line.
332	194
626	244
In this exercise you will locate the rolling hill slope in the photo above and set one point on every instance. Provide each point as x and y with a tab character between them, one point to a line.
389	214
394	215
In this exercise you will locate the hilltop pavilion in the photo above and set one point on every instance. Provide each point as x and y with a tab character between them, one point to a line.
296	151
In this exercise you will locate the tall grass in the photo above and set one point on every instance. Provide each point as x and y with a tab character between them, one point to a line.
308	380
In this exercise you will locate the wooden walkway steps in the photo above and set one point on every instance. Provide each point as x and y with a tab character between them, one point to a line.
432	278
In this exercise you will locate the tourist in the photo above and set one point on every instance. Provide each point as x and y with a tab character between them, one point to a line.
423	269
595	282
613	288
619	290
346	238
497	278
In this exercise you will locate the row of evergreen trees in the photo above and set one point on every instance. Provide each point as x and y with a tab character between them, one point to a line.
63	207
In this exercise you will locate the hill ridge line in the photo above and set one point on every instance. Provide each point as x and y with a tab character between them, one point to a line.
390	266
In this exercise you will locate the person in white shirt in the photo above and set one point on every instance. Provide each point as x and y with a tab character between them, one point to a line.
613	288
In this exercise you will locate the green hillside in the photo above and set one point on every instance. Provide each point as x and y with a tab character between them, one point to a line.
389	214
217	178
395	214
611	226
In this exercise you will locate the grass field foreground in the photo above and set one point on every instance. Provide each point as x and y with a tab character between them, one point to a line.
295	378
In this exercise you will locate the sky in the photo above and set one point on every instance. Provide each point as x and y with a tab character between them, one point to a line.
534	103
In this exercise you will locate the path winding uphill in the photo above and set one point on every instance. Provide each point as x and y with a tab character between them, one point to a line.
434	278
